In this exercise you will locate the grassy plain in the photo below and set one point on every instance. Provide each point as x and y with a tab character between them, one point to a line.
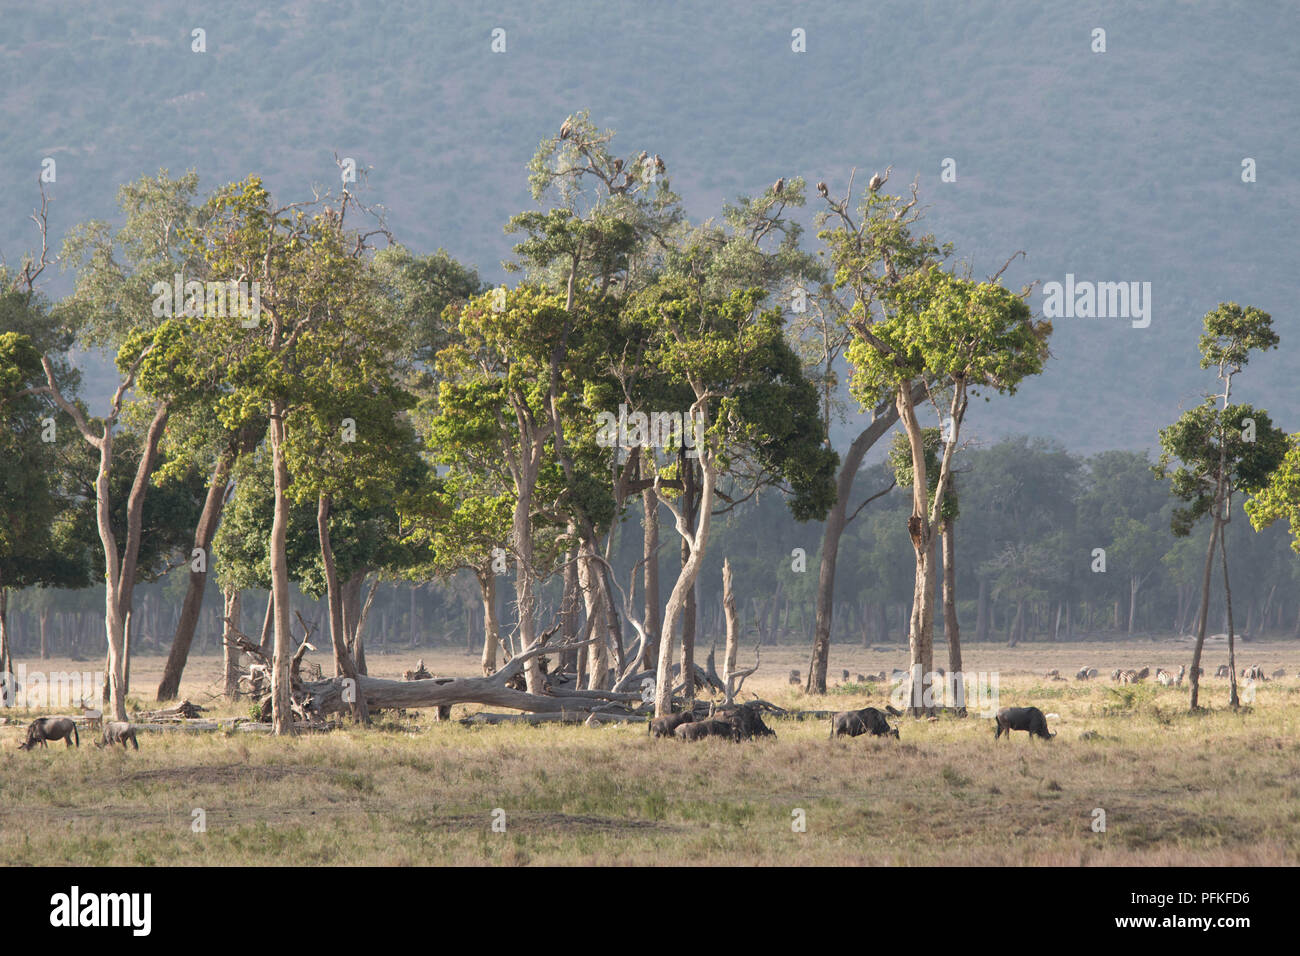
1218	788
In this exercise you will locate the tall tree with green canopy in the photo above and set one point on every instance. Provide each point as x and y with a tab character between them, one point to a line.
749	394
963	336
867	254
495	388
1217	448
305	259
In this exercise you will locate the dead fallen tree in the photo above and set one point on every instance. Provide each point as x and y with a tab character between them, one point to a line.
334	695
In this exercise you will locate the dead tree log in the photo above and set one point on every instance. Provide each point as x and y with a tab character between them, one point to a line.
326	696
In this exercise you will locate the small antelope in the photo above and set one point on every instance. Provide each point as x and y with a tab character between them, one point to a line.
93	717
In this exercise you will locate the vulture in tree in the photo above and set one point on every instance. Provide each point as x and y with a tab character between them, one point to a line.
618	164
821	188
566	130
659	163
876	182
778	186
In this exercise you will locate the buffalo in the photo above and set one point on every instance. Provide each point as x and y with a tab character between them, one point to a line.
665	726
1029	719
868	720
699	729
50	728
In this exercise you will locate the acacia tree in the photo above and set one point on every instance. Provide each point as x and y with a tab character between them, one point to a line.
1220	448
963	336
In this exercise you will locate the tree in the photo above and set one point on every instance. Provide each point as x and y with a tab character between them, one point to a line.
868	256
964	336
1220	448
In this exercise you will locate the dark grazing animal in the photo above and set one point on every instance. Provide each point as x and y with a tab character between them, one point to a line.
868	720
699	729
118	732
1029	719
50	728
748	721
665	725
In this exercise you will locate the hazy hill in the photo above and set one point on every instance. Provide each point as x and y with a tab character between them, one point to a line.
1122	166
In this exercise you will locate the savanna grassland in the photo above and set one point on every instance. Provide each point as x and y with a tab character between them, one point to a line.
1214	789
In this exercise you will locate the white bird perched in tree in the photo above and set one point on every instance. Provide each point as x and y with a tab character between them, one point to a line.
566	130
876	182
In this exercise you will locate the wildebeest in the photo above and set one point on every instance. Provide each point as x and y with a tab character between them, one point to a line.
118	732
50	728
1029	719
868	720
794	677
699	729
1085	673
1279	673
1221	671
665	726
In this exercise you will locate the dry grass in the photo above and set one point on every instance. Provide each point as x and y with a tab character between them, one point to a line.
1214	789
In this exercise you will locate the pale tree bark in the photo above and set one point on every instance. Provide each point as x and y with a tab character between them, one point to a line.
487	583
650	554
281	711
951	629
922	526
120	568
697	537
687	468
233	610
593	599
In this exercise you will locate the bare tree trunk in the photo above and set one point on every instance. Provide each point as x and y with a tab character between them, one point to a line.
685	579
733	625
268	625
6	653
688	613
213	504
229	651
281	712
1233	700
1203	616
343	663
45	644
487	582
650	553
950	626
